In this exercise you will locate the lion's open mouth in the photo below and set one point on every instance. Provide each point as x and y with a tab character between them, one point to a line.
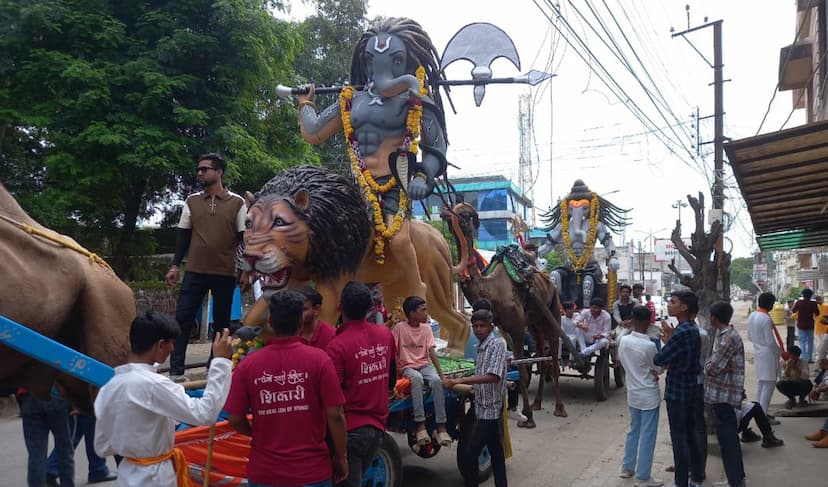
276	281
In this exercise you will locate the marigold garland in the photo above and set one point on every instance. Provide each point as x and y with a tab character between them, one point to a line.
370	188
579	262
244	348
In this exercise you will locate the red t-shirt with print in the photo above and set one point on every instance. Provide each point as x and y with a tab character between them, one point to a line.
323	335
288	385
362	353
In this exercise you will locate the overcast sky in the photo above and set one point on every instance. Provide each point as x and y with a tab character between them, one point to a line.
582	130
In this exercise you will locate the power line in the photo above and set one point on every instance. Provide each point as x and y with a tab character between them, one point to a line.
782	71
588	56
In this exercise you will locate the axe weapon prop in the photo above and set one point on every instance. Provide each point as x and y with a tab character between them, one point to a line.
531	78
479	43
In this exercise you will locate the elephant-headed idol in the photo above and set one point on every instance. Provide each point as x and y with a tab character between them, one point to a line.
386	123
579	220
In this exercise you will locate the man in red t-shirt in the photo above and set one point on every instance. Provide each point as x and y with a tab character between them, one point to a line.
362	354
293	391
807	311
315	331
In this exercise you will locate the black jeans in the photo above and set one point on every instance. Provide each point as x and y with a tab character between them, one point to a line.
757	414
793	388
728	436
194	287
687	452
698	454
363	443
489	433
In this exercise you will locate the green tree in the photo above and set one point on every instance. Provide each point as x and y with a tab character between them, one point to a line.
325	60
118	98
741	272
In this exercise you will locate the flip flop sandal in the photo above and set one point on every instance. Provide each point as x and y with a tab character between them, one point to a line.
443	438
422	437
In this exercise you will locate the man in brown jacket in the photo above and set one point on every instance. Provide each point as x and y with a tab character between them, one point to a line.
210	229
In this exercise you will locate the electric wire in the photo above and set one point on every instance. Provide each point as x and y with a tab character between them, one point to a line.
782	71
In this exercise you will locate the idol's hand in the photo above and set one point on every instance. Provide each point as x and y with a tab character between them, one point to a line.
418	188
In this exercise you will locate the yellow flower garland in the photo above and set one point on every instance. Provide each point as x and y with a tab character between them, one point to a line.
370	188
579	262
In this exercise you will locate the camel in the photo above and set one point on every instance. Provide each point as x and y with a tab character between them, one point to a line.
62	291
516	307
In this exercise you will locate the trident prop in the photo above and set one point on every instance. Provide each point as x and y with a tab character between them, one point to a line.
479	43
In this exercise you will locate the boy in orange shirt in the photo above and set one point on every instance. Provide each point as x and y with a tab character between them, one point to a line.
415	355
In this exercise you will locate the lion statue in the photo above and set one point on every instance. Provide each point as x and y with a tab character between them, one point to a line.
309	224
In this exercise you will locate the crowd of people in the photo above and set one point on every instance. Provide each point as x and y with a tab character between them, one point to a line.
327	388
709	376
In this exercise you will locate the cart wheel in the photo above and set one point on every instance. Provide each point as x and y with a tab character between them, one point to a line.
386	468
620	376
602	376
485	459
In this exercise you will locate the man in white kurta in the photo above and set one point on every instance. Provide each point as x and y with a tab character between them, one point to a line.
137	411
765	350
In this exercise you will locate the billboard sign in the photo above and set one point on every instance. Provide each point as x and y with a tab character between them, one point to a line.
665	249
760	273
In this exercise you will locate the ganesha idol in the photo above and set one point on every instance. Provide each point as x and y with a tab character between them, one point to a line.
581	219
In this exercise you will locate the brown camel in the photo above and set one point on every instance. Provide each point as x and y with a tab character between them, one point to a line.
52	287
533	304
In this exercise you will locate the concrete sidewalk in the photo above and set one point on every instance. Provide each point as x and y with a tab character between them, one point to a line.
795	462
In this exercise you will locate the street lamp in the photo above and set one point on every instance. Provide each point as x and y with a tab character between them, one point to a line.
678	205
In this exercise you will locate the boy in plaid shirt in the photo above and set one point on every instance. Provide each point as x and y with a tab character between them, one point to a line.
682	346
725	371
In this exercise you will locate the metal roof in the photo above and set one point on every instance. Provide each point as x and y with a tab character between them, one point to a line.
783	177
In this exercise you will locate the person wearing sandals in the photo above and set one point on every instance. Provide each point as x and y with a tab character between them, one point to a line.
417	361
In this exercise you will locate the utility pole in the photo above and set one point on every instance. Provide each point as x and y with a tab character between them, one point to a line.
718	138
641	258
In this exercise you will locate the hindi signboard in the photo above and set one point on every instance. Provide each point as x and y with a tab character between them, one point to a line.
665	249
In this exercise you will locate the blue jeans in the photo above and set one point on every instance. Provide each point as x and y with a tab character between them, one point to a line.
363	443
194	287
324	483
40	417
806	343
728	436
426	376
685	438
84	429
641	442
825	425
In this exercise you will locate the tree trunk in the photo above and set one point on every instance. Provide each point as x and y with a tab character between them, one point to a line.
711	267
120	256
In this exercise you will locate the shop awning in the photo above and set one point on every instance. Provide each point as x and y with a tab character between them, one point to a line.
783	177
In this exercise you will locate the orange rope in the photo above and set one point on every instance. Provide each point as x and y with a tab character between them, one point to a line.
94	258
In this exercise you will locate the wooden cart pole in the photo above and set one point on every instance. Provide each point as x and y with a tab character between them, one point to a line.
209	463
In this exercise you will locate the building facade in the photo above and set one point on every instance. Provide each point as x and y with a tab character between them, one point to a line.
496	199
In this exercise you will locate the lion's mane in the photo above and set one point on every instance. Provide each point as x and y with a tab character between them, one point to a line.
340	227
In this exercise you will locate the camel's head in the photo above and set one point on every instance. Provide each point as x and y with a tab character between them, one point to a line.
463	221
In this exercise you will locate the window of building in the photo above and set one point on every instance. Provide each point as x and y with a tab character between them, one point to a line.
494	200
494	229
